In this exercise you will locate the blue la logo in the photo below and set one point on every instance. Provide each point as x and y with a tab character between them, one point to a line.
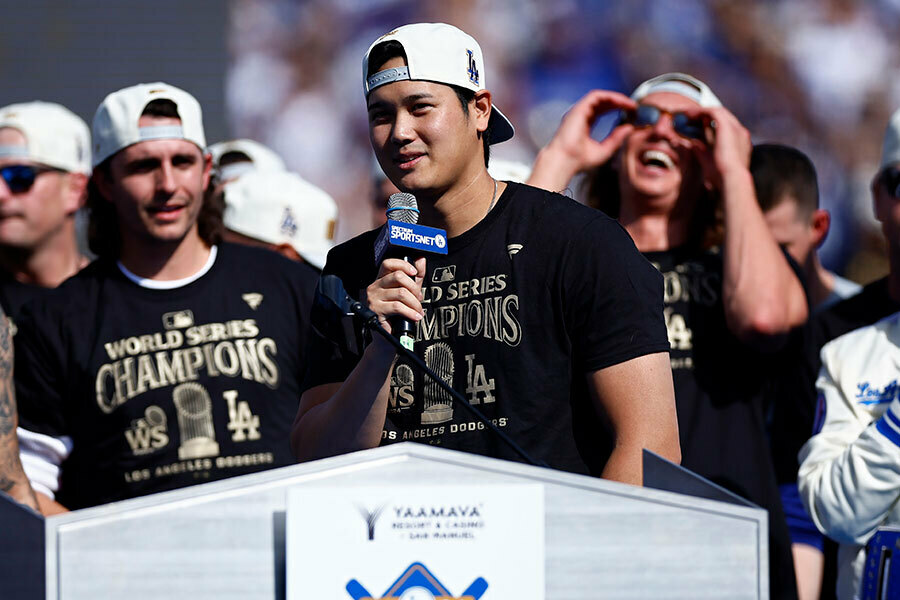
288	223
417	583
473	68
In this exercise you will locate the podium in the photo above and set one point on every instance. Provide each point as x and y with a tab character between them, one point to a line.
226	539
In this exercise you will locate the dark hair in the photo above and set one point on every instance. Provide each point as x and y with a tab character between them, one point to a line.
385	51
104	236
707	228
232	157
781	172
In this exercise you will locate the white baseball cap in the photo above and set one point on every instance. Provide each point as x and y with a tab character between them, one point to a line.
261	158
116	120
678	83
280	207
54	136
509	170
890	153
441	53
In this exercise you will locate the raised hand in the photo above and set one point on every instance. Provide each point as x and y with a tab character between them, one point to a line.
727	146
572	149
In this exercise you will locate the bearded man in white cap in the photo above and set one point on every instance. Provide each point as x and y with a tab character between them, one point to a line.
45	163
542	313
849	478
174	358
675	173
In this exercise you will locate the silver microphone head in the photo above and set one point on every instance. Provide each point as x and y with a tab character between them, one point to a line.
403	207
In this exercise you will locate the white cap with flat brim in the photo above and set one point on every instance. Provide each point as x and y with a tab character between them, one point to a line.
280	207
116	120
678	83
443	54
54	136
890	152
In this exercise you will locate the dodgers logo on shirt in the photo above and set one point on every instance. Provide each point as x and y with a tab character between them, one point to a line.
418	583
868	395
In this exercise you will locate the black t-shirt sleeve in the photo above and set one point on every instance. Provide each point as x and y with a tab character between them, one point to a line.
614	298
334	348
40	372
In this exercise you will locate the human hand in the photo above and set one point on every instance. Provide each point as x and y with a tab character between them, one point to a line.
397	291
727	146
573	138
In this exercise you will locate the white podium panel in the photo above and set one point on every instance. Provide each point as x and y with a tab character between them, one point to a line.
226	539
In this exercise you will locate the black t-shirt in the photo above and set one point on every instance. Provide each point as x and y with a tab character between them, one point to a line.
721	387
160	389
538	294
14	295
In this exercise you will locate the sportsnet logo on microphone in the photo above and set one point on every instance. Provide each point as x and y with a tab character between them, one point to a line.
410	236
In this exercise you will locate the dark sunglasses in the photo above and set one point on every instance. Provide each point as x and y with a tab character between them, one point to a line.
20	178
648	115
891	180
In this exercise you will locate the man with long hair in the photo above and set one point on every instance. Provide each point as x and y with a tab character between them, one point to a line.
174	358
674	172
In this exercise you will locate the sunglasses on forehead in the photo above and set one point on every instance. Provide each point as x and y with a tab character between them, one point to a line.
891	180
20	178
647	115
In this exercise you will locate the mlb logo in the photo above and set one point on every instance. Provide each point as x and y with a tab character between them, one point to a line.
178	320
443	274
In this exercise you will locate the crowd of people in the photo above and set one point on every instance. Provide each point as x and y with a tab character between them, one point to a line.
680	308
792	71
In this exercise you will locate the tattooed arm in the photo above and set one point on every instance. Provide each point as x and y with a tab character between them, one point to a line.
12	478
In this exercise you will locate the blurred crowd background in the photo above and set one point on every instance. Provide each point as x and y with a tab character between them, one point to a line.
821	75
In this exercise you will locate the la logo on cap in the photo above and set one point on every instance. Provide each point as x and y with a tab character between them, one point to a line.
473	68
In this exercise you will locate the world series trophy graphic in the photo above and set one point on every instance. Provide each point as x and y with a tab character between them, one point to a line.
438	404
194	408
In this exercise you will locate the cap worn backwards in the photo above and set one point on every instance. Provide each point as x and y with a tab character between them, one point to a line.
443	54
116	121
678	83
54	136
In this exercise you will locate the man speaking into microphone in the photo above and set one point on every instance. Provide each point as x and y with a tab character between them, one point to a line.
542	313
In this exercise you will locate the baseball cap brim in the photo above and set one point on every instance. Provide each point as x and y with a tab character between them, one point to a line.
501	127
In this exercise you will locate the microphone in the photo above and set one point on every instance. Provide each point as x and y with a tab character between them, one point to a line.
403	207
403	237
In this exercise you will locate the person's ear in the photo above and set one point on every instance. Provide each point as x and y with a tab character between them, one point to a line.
481	110
820	223
288	251
76	191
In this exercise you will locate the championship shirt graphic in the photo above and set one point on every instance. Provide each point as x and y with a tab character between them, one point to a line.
185	366
417	583
482	310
